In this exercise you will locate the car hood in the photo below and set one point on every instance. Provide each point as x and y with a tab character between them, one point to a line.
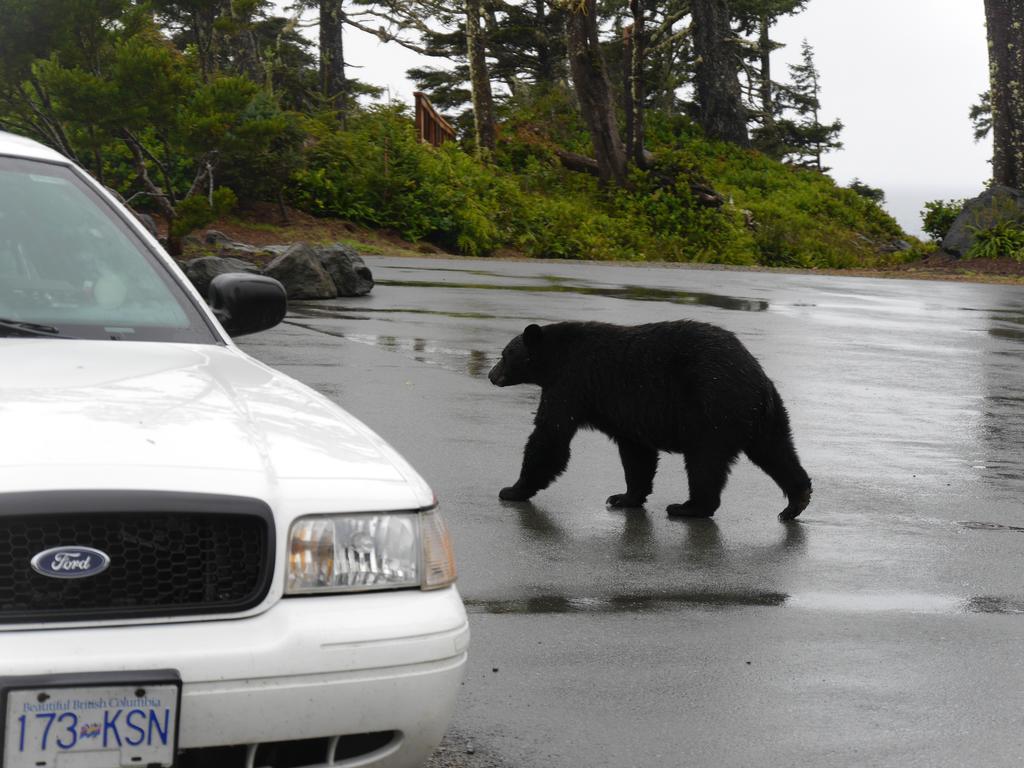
194	418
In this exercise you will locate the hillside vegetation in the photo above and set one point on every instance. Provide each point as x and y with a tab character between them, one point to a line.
521	197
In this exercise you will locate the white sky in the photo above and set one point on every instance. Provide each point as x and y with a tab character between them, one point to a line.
900	74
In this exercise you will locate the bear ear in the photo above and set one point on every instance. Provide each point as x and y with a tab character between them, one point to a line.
533	335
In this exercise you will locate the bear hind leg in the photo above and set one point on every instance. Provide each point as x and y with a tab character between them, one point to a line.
707	475
781	464
640	463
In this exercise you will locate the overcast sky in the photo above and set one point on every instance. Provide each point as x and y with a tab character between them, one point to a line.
900	74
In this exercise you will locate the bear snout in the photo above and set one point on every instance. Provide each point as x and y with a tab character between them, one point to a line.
497	375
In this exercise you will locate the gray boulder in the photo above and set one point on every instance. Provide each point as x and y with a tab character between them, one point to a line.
228	248
299	269
215	237
994	206
148	222
202	270
347	269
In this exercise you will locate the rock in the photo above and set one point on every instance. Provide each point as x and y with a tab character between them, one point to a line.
299	269
202	270
895	246
347	269
994	206
215	237
192	242
148	222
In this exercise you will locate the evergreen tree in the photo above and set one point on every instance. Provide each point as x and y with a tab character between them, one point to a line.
484	124
981	116
722	114
1005	21
594	89
757	17
806	138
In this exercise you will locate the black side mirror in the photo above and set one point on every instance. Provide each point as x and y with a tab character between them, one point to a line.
245	303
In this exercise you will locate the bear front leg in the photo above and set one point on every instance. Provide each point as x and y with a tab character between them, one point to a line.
640	463
545	457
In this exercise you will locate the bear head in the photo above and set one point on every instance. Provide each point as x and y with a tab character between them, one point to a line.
520	360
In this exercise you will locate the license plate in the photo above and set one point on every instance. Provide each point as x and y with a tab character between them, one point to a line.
116	725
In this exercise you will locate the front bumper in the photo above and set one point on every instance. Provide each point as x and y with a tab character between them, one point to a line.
307	668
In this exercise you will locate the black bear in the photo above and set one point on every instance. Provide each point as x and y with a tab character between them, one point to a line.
680	387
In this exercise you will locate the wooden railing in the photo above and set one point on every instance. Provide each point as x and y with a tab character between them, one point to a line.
430	126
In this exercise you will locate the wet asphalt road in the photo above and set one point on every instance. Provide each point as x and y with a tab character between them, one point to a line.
885	627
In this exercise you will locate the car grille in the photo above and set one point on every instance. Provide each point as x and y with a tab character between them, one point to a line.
162	562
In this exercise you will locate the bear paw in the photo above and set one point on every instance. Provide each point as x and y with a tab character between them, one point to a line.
511	493
690	510
796	505
624	501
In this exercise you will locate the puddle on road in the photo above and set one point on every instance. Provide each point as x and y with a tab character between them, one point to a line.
548	604
630	292
973	526
302	310
472	361
833	602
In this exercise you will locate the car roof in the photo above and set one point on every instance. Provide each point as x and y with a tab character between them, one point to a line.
19	146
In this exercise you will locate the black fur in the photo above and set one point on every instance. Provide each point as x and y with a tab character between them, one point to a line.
679	387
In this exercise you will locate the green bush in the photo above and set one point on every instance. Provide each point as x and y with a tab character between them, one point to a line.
376	173
1005	239
938	216
196	212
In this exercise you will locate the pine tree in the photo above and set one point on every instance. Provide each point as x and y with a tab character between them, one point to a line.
1005	20
806	138
757	17
594	90
722	114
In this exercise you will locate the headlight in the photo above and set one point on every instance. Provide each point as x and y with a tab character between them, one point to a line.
360	552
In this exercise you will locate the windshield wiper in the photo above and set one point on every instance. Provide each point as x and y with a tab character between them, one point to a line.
30	329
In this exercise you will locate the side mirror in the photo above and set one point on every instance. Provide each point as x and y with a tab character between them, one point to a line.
245	303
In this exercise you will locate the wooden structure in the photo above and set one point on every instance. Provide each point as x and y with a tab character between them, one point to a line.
430	126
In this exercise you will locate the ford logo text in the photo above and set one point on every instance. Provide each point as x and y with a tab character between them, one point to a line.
70	562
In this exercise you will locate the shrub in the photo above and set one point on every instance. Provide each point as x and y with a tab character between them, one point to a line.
196	211
376	173
1002	240
938	216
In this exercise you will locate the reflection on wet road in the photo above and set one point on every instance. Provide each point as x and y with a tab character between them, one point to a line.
886	621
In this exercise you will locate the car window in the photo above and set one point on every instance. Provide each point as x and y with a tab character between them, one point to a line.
69	264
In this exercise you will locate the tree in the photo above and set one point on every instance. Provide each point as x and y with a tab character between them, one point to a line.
1005	22
981	116
719	96
635	50
333	83
594	90
807	139
758	17
484	124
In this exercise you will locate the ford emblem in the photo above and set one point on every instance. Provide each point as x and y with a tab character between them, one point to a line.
70	562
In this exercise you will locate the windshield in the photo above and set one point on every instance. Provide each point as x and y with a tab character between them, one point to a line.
69	266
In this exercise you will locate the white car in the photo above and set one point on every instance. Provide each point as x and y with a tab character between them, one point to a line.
202	561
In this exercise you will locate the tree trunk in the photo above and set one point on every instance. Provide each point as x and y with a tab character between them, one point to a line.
717	77
1005	20
627	87
484	123
545	62
636	83
594	91
333	83
765	51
